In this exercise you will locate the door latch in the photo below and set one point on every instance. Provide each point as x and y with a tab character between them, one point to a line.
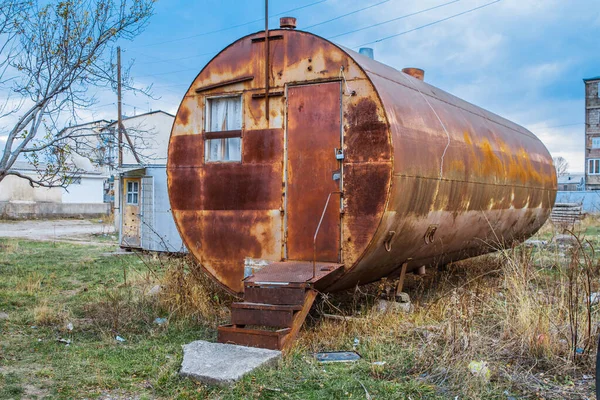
336	175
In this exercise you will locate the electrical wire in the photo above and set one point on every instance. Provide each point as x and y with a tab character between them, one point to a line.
233	26
394	19
345	15
429	24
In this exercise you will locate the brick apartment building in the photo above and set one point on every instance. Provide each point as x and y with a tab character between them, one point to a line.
592	133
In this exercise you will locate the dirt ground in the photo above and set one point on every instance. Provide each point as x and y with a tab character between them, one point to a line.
61	230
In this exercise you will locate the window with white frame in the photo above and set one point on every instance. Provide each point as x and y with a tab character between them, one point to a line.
594	166
223	129
133	192
596	143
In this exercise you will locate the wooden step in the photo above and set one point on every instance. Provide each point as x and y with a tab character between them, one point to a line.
274	294
274	315
264	339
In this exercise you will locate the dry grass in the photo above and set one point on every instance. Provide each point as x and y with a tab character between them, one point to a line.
47	315
187	291
525	311
32	284
9	247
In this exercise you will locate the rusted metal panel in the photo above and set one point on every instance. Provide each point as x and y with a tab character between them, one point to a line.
221	240
260	317
263	146
292	272
273	340
273	295
313	134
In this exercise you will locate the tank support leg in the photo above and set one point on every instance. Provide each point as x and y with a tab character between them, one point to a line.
400	285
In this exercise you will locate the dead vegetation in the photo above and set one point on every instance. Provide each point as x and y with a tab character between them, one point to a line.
528	314
521	322
187	291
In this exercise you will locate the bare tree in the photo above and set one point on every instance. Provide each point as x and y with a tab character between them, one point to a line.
561	166
52	54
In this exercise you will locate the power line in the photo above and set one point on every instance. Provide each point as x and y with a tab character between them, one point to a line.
393	19
167	73
375	41
429	24
216	51
173	59
345	15
562	126
233	26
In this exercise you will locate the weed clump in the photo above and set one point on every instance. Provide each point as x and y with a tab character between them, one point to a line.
187	291
48	315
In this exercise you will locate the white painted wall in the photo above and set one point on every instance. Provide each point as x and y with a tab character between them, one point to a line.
90	190
16	189
150	134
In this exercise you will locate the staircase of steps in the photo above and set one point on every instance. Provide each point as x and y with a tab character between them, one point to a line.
277	300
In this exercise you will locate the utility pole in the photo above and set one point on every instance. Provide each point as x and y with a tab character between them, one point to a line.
120	116
267	59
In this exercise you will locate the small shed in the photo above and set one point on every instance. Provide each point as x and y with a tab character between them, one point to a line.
571	182
146	218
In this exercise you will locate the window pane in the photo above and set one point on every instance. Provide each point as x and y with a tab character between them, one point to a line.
223	149
597	166
234	149
129	198
129	186
135	198
225	114
213	149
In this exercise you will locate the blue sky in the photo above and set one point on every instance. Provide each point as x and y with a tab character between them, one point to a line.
522	59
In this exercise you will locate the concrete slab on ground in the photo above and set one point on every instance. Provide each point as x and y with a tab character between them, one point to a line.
223	364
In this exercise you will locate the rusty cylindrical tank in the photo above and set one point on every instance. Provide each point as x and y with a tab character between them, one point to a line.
427	178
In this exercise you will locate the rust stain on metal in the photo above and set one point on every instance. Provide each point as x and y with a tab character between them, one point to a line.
367	136
183	116
187	149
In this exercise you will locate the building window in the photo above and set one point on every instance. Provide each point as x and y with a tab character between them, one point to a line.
223	129
596	143
594	166
133	191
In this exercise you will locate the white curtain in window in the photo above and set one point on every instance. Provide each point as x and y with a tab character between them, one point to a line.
225	114
224	149
234	149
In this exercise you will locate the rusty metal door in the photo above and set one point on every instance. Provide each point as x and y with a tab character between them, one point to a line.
313	135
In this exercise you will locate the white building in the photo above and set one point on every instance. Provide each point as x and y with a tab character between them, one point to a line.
142	209
82	198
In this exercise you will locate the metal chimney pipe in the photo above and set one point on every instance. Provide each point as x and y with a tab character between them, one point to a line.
415	73
367	52
287	23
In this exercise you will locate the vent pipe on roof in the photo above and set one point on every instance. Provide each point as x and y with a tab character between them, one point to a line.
415	73
367	52
287	23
